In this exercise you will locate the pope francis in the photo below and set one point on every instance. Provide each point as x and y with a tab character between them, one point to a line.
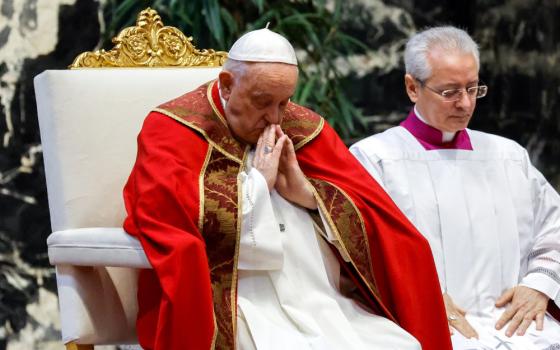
263	231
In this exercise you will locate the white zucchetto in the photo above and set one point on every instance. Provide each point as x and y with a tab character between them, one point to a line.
263	45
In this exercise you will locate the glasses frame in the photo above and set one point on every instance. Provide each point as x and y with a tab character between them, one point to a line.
481	91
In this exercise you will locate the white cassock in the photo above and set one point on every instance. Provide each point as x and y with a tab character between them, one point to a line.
491	218
288	283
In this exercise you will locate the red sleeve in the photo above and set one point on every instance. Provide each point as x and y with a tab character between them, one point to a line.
402	261
162	203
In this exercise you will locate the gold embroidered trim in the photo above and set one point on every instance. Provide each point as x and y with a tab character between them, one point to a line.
212	104
334	229
215	336
233	295
362	225
201	188
312	136
238	238
201	131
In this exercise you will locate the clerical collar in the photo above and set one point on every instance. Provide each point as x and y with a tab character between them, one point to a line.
432	138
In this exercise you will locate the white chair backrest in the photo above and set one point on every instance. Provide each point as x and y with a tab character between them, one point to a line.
89	120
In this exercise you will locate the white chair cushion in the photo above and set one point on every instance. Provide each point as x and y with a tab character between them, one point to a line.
96	247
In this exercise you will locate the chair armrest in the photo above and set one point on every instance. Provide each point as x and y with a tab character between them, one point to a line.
100	246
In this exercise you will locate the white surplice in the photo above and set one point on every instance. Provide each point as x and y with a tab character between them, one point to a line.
288	283
491	218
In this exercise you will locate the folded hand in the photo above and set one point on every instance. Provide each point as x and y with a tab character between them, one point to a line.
267	154
291	183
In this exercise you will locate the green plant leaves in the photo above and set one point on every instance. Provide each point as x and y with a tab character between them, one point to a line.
312	26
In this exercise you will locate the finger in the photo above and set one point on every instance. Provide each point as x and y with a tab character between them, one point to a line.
465	328
540	321
505	297
258	150
527	320
514	323
277	150
451	330
506	316
279	131
270	136
461	310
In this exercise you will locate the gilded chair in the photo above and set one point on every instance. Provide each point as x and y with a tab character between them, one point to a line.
89	117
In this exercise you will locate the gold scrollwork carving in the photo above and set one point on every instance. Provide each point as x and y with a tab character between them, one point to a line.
150	44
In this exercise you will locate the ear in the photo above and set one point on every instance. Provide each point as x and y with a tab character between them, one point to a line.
411	85
226	84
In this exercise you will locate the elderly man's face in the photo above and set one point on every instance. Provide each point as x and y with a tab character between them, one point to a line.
450	70
258	98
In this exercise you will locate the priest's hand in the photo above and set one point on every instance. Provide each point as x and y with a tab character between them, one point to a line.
267	154
291	182
525	306
456	318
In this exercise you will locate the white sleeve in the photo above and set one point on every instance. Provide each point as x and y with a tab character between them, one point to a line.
370	162
260	244
544	259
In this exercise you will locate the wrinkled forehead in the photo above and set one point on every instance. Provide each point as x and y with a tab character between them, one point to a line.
264	75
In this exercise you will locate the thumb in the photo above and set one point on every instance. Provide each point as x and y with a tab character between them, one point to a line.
290	151
277	151
505	298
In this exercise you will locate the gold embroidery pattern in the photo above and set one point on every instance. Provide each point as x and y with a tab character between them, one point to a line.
197	110
150	44
193	108
220	234
349	225
301	124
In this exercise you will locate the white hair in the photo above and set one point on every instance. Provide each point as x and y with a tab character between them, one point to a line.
447	38
237	68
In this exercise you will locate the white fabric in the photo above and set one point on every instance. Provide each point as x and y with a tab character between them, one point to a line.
263	45
490	217
295	302
98	304
99	246
89	120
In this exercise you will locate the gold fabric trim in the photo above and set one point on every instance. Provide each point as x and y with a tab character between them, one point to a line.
342	243
362	225
201	131
333	227
150	44
201	188
215	336
312	136
221	235
213	105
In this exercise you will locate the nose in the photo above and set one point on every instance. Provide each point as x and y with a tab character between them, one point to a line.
466	101
273	115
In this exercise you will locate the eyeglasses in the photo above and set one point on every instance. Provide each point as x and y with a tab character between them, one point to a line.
452	95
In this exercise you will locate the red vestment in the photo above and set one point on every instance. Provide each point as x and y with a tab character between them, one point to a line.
182	204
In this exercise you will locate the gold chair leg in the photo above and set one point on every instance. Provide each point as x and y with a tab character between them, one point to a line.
74	346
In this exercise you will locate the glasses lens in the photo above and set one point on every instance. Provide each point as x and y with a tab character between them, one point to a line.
482	90
452	95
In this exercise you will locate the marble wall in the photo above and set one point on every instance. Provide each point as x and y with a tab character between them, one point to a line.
520	46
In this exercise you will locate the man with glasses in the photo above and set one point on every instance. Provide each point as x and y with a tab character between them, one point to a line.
492	220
